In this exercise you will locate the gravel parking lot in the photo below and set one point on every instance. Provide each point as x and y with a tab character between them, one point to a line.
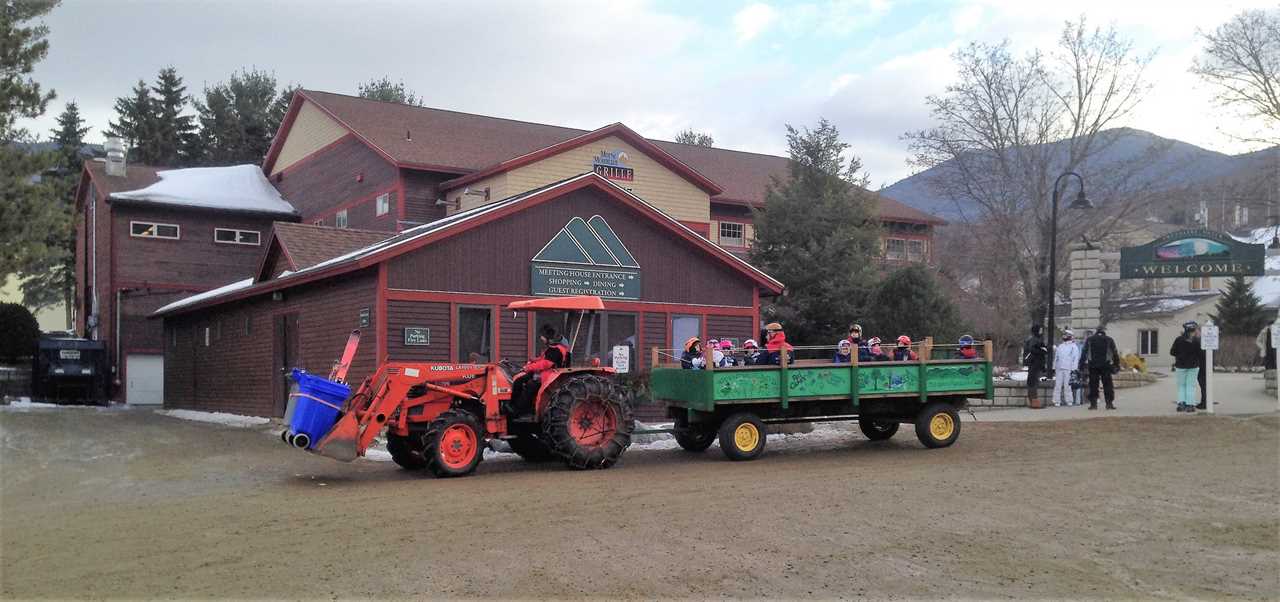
129	503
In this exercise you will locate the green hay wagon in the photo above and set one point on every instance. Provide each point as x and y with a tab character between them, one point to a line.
733	404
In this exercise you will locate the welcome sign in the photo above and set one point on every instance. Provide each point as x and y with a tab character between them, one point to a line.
1194	252
585	258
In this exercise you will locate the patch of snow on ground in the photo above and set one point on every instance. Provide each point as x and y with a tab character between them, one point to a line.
235	420
25	403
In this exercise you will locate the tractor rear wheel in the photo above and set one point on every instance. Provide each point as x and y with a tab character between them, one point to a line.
587	422
453	444
531	448
878	430
691	437
407	451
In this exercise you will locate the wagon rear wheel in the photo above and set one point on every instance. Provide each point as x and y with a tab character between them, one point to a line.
938	425
587	422
742	436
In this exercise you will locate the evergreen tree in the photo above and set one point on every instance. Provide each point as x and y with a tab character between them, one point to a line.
239	117
383	89
1239	311
69	138
22	45
819	235
910	301
135	117
696	138
172	133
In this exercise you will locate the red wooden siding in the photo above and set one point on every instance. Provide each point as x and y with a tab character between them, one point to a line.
655	335
738	328
335	176
419	314
192	260
421	189
673	270
235	373
513	336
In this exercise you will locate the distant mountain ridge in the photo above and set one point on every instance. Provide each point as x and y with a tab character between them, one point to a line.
1158	164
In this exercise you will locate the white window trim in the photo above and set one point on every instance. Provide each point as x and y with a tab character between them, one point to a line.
340	219
157	225
382	204
732	241
904	249
237	232
1208	284
1143	339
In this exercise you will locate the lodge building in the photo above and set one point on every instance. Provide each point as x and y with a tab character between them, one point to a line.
419	225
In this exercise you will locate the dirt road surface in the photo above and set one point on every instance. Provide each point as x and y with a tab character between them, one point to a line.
134	504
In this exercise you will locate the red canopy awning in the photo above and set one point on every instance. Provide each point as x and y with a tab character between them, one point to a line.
584	302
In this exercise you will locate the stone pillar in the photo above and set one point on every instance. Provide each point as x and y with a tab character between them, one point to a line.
1086	287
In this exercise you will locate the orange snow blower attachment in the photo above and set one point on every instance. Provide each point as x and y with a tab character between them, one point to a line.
438	416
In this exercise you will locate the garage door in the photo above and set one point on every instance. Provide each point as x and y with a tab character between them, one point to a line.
146	379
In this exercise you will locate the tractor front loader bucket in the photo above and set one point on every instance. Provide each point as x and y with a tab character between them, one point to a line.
340	442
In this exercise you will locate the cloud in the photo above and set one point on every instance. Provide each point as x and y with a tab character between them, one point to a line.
753	20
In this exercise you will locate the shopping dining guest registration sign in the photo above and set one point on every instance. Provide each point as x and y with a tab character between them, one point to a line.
586	257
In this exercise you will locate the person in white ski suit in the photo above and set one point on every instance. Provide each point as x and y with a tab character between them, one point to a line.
1066	358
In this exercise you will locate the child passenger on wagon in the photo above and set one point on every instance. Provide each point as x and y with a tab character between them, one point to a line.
751	353
874	354
844	352
692	358
903	352
726	355
967	352
777	342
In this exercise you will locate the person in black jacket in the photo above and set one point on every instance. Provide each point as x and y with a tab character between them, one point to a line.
1101	358
1186	354
1034	354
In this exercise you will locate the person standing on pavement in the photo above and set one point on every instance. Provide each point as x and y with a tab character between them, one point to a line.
1034	354
1103	360
1066	358
1186	354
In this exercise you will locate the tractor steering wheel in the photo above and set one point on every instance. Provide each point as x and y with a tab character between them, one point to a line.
510	367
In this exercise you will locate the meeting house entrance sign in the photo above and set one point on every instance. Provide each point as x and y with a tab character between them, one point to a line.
1194	252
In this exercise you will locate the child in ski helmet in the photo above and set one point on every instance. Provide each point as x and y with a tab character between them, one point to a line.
903	352
844	352
751	352
692	358
777	342
967	352
873	348
726	353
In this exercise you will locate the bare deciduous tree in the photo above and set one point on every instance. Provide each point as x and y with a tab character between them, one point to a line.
1005	131
694	137
1241	58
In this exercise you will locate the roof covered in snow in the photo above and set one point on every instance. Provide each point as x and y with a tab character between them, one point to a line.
419	232
234	188
1138	307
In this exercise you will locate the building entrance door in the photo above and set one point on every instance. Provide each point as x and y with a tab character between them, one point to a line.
145	373
286	353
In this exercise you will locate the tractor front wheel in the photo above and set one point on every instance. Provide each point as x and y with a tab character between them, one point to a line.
587	422
453	444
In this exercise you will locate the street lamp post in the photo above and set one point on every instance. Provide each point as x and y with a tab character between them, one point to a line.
1080	202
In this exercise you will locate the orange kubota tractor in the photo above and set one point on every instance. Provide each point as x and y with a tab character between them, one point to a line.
438	416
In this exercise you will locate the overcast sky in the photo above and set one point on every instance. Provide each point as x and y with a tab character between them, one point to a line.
738	70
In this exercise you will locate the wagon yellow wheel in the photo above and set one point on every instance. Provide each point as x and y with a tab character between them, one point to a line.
938	425
742	436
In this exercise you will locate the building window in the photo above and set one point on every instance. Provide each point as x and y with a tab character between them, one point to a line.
1148	342
916	250
895	248
384	204
475	334
153	230
340	219
206	336
733	234
1242	215
232	236
1199	284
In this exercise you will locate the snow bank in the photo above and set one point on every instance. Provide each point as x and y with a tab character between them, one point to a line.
222	290
26	403
224	419
238	187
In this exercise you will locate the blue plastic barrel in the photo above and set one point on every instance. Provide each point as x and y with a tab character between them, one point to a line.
314	406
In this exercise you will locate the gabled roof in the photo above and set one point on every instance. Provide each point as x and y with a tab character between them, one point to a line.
464	143
421	236
136	176
642	144
305	245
